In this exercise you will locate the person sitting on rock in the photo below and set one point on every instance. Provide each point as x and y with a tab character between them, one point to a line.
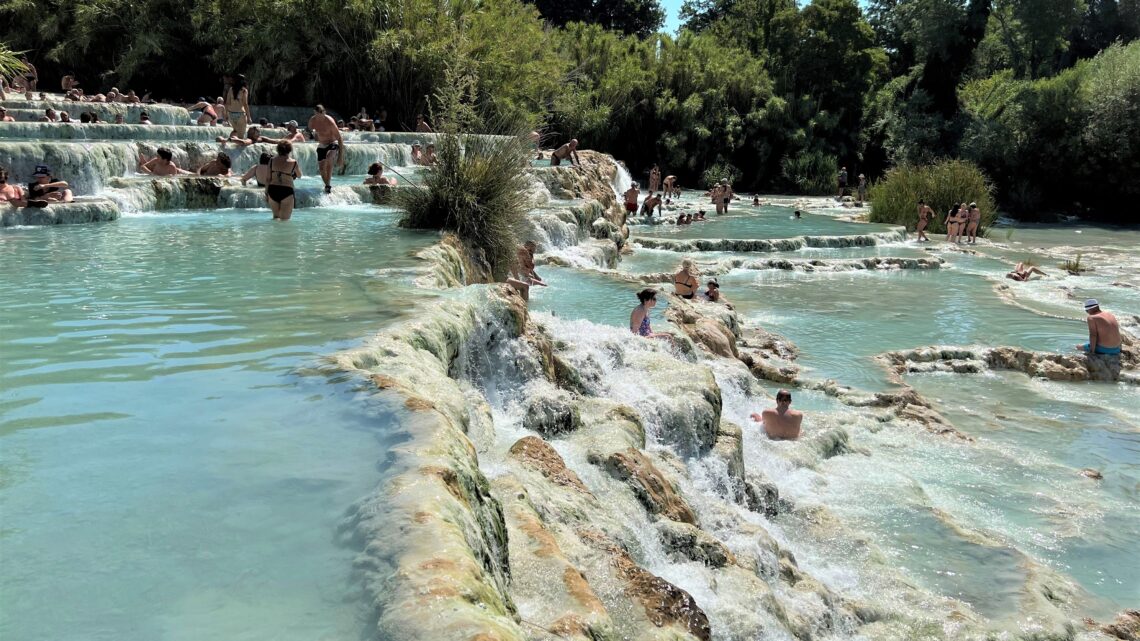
417	153
47	188
11	194
1022	272
429	158
4	117
1104	331
376	176
700	215
685	280
119	120
144	119
639	318
52	116
781	423
161	165
218	166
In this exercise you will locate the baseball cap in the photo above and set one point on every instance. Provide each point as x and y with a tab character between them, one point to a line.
41	170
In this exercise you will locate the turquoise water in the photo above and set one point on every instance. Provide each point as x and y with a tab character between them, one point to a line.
165	472
758	222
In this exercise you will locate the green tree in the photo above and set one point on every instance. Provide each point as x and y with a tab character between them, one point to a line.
631	17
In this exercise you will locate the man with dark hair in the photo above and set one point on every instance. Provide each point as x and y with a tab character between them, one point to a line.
330	144
422	126
781	423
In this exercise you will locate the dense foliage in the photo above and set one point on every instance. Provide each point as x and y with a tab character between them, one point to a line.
941	185
1039	93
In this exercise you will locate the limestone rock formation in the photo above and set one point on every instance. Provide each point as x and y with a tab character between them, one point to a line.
535	453
651	488
83	210
552	412
688	542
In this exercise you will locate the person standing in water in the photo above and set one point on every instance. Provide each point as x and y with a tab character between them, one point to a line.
842	182
726	195
630	197
280	193
654	178
236	97
951	223
973	220
781	423
1104	331
651	202
925	215
330	144
639	318
670	186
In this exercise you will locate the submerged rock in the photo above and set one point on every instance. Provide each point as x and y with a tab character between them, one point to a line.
1073	366
84	210
651	488
552	412
691	543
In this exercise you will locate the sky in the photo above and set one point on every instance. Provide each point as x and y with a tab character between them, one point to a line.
672	15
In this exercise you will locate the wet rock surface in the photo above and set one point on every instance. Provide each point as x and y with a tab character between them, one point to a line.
651	488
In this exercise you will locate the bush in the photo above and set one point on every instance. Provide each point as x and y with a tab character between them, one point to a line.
894	199
717	172
812	173
477	189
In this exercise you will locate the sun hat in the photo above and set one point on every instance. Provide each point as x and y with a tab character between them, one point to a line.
1091	303
291	122
41	170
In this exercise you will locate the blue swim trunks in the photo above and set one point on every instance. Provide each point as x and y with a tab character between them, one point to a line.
1100	349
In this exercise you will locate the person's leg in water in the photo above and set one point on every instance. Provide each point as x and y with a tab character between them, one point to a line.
326	167
285	209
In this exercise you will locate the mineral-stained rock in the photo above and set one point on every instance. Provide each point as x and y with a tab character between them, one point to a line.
1126	626
537	454
649	485
665	604
551	413
691	543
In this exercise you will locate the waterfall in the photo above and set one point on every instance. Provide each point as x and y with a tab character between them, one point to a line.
621	180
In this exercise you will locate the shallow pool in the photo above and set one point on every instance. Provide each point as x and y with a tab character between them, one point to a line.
165	471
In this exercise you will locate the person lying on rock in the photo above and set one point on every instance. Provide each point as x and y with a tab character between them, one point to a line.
218	166
781	423
161	165
1104	330
252	137
1023	273
46	188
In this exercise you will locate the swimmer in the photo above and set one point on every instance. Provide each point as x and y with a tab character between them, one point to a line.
755	201
252	137
712	294
798	215
219	166
1104	331
685	280
1022	273
781	423
700	215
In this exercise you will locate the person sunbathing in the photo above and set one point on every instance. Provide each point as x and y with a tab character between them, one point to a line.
1021	273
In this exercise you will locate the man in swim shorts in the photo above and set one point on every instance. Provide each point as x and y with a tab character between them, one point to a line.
1104	330
330	144
781	423
651	202
569	151
630	197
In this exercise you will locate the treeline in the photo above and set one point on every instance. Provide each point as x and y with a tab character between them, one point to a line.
1041	94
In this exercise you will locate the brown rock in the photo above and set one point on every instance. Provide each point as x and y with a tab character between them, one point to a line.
651	488
1126	626
1092	474
537	454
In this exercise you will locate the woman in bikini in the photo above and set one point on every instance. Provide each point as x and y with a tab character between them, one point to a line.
925	213
951	223
973	221
685	281
639	319
209	114
283	170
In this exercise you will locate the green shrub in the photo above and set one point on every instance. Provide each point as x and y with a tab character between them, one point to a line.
812	173
894	199
477	189
714	174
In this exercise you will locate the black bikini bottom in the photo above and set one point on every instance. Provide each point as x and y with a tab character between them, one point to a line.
278	193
